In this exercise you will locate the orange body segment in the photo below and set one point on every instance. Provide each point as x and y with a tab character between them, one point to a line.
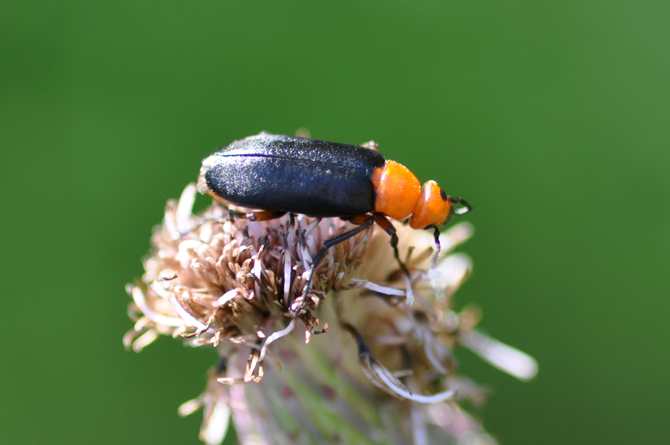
218	198
397	190
433	207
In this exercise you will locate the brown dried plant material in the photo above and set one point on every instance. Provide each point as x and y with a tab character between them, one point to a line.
384	372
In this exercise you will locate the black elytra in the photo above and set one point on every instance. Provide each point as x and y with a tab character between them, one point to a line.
294	174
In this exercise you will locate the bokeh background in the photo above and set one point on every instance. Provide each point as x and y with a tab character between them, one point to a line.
552	118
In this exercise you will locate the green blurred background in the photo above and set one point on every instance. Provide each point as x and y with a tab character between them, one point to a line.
552	118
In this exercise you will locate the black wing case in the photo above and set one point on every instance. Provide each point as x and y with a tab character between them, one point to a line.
299	175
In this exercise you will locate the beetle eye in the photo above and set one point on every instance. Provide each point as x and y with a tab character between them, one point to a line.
443	195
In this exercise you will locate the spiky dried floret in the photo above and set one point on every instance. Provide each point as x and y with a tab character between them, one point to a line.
237	286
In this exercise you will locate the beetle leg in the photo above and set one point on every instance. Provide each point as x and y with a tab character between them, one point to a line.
259	215
367	223
358	219
438	247
265	215
385	224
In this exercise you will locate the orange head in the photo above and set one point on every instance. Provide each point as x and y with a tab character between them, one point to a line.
432	209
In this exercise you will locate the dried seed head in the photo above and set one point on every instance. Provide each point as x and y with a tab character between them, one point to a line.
237	286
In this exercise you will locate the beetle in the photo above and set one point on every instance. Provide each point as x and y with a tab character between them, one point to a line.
288	174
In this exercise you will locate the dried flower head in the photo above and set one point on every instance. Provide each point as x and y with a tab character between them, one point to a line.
383	373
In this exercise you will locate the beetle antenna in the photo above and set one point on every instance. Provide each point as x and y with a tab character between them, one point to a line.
463	210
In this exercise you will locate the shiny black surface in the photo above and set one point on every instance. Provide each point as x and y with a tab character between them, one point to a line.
293	174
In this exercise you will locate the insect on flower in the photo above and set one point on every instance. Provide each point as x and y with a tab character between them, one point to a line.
275	175
238	286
